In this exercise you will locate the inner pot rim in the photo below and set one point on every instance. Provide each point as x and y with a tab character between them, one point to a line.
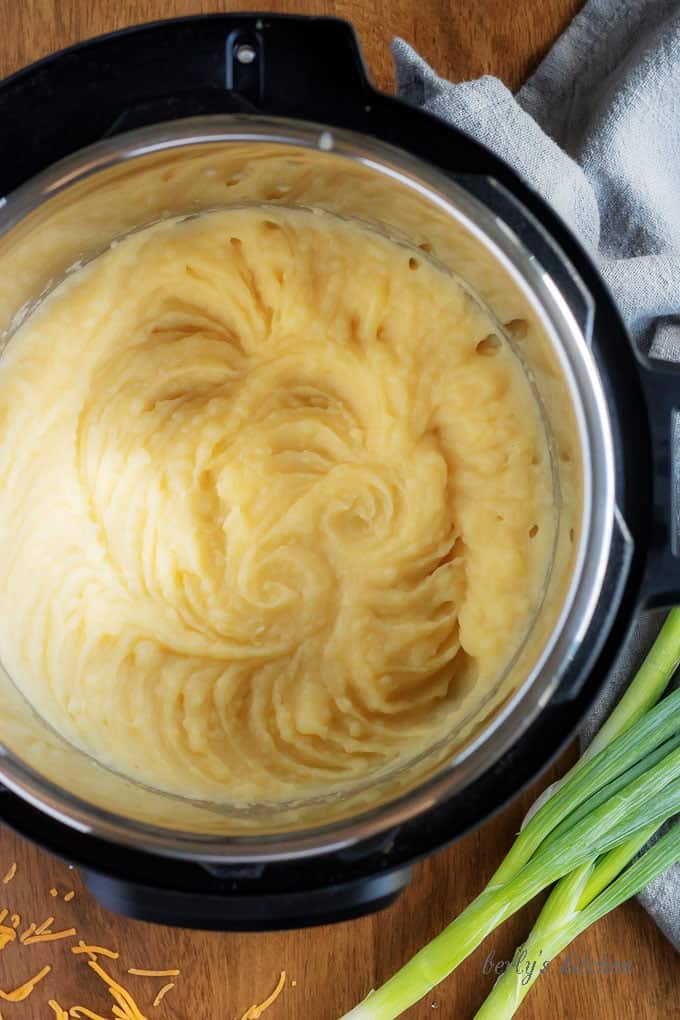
597	453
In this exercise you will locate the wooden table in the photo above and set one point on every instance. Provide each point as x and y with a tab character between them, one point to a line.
635	974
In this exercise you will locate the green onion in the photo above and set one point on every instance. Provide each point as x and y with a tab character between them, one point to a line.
559	923
647	686
649	683
617	784
572	893
598	817
642	737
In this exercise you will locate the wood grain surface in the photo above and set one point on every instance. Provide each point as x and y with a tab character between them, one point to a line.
620	970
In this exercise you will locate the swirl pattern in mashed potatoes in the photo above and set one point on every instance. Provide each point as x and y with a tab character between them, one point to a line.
275	504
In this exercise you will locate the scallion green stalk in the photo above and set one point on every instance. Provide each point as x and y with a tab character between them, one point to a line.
649	683
643	692
568	898
661	723
650	799
560	923
617	784
577	833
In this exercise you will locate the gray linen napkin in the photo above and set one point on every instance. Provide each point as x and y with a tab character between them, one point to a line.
596	131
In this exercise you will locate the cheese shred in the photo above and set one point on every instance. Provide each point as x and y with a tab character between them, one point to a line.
94	951
27	934
255	1012
23	992
50	936
163	992
10	873
83	1011
122	997
59	1012
153	973
7	935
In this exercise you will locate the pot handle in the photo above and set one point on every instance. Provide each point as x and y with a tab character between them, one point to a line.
229	908
661	580
283	65
280	65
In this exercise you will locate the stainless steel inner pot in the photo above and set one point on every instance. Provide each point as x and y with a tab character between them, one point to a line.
72	212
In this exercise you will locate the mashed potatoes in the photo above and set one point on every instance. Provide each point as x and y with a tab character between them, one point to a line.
275	505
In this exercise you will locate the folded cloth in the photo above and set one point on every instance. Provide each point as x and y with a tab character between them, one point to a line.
596	131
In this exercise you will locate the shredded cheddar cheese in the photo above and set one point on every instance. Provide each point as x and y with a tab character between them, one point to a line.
23	992
124	1006
83	1011
27	934
7	934
120	994
163	992
255	1012
10	873
94	951
153	973
50	936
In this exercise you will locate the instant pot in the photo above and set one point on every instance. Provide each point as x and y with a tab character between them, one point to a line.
173	118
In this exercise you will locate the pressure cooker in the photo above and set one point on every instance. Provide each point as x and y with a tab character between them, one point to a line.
177	117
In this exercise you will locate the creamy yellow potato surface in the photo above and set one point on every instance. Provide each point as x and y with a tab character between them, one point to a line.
275	505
